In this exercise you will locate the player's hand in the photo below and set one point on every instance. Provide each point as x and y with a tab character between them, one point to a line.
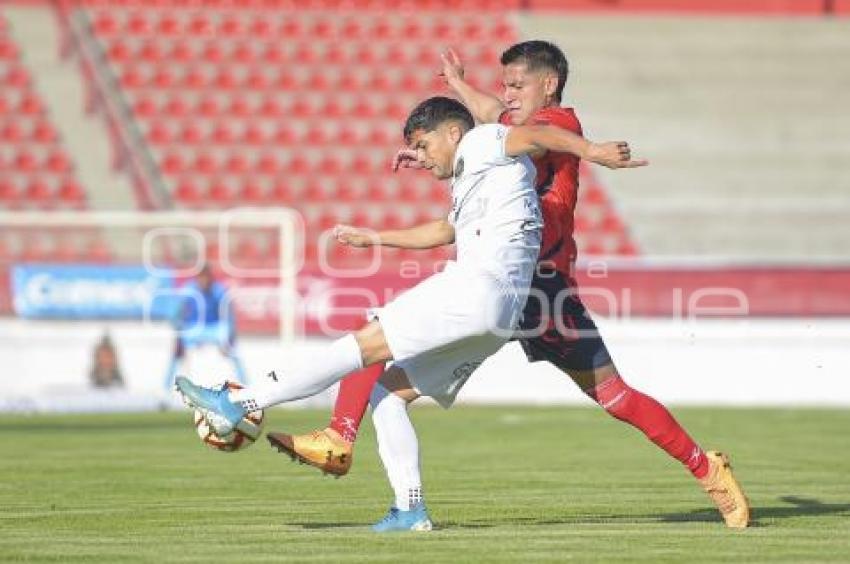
405	158
355	236
452	66
613	154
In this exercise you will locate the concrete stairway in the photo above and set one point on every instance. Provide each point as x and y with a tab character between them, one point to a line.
60	85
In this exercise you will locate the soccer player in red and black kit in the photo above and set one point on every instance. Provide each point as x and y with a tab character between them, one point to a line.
534	75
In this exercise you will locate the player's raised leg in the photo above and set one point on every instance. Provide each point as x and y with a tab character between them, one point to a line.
331	449
307	375
398	448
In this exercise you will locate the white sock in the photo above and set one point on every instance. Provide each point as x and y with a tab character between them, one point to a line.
398	446
303	376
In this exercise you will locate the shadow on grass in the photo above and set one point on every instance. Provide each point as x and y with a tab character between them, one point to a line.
797	506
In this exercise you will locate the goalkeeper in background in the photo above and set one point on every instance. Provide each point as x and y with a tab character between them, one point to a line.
204	316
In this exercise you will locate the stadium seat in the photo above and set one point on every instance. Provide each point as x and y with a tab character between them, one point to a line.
30	104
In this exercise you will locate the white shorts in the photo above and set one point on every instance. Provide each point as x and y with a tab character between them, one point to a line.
442	329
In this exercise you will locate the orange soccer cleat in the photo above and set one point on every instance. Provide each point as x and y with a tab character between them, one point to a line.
328	453
725	491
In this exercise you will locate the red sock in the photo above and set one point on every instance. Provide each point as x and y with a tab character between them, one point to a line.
643	412
351	402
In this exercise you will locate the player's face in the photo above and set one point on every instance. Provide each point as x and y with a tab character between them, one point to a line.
435	150
526	91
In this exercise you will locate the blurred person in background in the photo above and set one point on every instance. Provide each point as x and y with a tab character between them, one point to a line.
105	371
204	316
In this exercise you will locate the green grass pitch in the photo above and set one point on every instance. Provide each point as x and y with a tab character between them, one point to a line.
503	484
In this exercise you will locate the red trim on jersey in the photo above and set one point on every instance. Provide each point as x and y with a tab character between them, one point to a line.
557	186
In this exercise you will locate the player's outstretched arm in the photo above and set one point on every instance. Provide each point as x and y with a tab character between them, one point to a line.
485	108
532	139
426	236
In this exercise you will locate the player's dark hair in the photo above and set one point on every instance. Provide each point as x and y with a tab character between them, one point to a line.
540	55
429	114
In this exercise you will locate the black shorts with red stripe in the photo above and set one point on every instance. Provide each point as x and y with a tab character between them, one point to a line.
556	327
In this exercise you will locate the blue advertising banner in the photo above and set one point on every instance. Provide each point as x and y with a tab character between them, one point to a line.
42	291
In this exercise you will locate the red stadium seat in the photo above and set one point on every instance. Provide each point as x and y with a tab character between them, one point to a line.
71	191
238	163
361	165
285	135
181	52
243	53
176	107
44	132
220	191
627	248
223	133
365	55
239	106
281	192
26	161
298	164
8	190
347	136
351	29
230	25
12	132
138	24
17	77
322	29
611	223
191	133
200	24
329	165
291	28
145	107
187	191
250	191
225	79
268	163
168	25
58	161
119	51
105	23
195	78
347	81
160	134
205	163
261	27
334	55
316	135
38	190
271	107
173	163
208	107
213	52
30	104
274	54
254	135
257	80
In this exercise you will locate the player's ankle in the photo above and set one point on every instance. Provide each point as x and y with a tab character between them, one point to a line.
335	435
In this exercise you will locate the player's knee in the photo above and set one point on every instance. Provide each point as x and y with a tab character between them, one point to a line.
613	395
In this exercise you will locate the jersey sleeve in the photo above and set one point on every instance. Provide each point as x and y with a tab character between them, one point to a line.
483	147
559	117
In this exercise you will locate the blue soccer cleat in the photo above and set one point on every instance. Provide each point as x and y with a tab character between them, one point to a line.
416	519
221	413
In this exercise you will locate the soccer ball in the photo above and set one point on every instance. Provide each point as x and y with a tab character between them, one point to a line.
247	431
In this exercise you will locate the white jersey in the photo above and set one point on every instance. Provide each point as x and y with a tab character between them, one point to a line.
495	210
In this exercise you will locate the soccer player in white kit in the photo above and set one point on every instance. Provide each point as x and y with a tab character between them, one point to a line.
438	332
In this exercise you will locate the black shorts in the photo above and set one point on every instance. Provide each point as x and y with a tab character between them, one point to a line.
556	327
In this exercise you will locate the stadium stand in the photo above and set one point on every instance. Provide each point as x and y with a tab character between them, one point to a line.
235	116
36	171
